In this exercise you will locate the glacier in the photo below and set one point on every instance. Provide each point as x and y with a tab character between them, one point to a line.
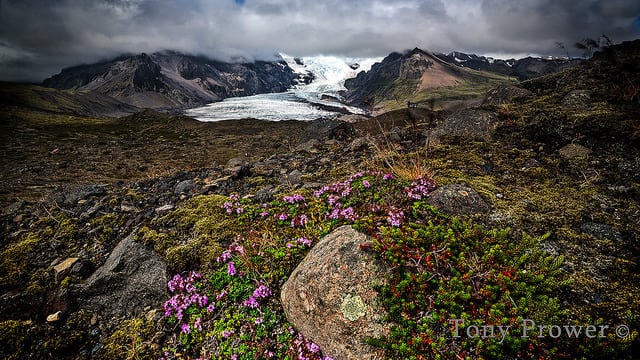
301	102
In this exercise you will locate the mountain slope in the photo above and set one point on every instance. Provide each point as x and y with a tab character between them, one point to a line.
523	69
416	76
84	103
170	80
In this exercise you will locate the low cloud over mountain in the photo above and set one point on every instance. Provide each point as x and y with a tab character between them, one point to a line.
38	38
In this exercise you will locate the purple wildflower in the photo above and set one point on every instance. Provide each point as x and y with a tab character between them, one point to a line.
228	333
211	308
259	321
303	241
294	199
222	294
366	184
264	213
395	216
313	347
198	324
262	292
420	187
186	329
231	268
387	176
251	303
283	217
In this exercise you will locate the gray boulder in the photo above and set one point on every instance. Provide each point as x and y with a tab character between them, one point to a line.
472	124
457	199
132	278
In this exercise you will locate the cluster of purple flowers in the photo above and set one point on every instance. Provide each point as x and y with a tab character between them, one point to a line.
420	187
304	349
338	213
294	199
299	220
261	292
185	295
233	205
395	216
303	241
227	254
343	188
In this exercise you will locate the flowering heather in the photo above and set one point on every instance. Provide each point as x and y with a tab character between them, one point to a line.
294	199
251	303
420	187
231	269
395	216
303	241
262	292
299	220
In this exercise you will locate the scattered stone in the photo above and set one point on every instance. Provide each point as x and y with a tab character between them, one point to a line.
577	100
164	208
184	187
309	146
601	231
330	299
360	143
574	152
126	206
54	317
294	177
457	199
65	265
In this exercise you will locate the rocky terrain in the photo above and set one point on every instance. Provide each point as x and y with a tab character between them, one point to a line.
170	80
118	234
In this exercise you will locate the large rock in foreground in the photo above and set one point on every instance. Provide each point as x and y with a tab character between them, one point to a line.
330	299
132	278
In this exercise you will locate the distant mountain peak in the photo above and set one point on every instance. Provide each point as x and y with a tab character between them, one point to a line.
169	79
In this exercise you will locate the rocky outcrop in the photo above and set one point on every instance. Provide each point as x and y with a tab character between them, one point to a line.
132	278
472	124
170	80
506	94
330	299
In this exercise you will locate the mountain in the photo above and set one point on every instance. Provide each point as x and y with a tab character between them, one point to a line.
84	103
170	80
525	68
416	76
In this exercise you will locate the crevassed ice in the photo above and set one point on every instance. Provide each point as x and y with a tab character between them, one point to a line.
296	104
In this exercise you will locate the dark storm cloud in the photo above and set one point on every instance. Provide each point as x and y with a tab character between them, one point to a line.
39	37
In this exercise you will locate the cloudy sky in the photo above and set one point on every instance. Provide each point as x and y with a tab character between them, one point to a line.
40	37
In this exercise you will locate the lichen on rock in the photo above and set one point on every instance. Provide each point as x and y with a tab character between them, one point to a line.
352	307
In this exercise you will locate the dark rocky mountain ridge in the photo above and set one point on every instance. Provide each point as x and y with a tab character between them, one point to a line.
171	80
523	69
